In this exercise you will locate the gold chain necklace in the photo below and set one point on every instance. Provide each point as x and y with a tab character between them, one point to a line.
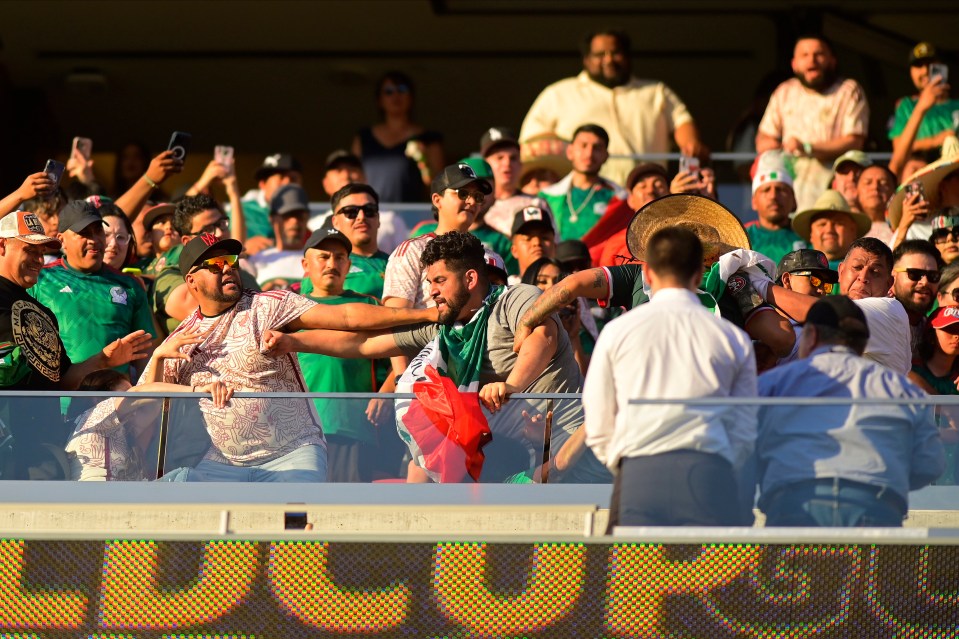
574	212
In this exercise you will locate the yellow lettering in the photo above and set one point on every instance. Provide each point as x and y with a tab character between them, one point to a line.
640	578
42	609
131	598
301	582
553	587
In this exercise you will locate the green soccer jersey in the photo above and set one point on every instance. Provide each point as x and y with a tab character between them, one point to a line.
93	309
941	117
577	211
323	374
257	219
366	275
773	244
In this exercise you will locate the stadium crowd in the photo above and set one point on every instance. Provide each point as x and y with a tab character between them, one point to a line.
549	267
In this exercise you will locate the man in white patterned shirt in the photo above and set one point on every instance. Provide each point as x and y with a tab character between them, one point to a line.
256	439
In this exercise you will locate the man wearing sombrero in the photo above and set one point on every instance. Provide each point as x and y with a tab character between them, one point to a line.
726	251
909	211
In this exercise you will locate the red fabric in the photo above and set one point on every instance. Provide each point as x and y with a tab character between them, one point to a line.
615	219
449	427
613	250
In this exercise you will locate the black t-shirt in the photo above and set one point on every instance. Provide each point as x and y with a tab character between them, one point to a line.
33	355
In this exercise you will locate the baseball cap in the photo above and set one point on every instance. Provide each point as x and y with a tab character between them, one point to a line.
945	316
494	262
25	226
327	232
456	176
807	262
947	219
840	313
855	156
923	52
78	215
480	167
340	157
643	169
496	138
105	206
772	166
154	213
197	249
531	215
277	163
572	251
289	198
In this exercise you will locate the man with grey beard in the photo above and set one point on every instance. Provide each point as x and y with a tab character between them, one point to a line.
794	122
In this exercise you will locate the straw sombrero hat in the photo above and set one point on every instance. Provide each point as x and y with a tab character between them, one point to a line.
829	202
716	227
930	176
555	160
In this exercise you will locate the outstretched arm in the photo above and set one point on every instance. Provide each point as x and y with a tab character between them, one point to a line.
122	351
360	317
590	283
366	345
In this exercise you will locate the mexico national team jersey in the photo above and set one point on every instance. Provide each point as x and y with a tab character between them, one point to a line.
93	309
324	374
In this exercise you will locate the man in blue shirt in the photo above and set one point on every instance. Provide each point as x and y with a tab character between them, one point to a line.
825	465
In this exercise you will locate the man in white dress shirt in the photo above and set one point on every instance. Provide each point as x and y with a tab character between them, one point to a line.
675	464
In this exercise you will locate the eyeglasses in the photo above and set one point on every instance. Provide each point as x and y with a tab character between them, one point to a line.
916	274
478	196
216	264
941	236
222	224
119	238
954	294
402	89
352	210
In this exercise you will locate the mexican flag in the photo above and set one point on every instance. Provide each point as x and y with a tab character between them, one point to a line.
444	426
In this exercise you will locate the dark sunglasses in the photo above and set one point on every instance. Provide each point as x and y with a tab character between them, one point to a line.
916	274
941	236
352	210
954	294
402	89
216	264
478	196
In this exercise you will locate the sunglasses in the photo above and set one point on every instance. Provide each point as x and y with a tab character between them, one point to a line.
827	287
916	274
216	264
941	236
351	211
478	196
402	89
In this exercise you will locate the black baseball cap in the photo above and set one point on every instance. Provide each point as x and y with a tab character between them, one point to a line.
289	198
277	163
531	215
200	247
840	313
808	262
457	176
105	206
341	157
327	232
496	138
923	52
78	215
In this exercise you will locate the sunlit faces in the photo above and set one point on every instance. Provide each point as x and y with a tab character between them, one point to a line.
874	189
506	166
223	286
163	235
270	184
647	188
845	179
814	63
290	230
832	233
84	249
547	277
327	265
948	339
917	296
117	242
587	153
210	221
532	242
362	230
340	175
21	262
456	212
774	201
450	291
607	62
919	74
948	294
863	275
815	283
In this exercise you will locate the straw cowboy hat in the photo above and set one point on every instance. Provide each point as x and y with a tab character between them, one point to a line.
716	227
829	202
930	176
555	159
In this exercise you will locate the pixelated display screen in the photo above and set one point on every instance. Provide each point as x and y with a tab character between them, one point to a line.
154	589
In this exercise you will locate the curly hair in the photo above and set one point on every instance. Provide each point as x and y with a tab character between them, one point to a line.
188	208
460	251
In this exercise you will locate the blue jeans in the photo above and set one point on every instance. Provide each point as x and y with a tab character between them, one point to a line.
305	464
833	502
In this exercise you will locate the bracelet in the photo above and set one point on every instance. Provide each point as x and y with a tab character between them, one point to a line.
153	185
193	388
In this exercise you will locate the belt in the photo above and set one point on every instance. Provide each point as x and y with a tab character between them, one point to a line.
883	494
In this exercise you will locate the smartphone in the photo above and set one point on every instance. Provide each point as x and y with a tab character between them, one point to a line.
55	170
937	69
84	146
916	187
223	155
179	144
690	164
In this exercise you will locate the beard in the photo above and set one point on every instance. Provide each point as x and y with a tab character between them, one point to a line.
914	306
826	80
618	80
454	305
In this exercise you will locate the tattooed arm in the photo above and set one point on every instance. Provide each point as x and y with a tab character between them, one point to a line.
590	283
